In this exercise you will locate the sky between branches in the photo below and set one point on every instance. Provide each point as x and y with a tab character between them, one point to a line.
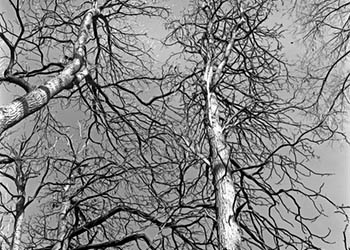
333	158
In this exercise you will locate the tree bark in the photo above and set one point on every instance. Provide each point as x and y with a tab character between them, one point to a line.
225	195
22	107
16	240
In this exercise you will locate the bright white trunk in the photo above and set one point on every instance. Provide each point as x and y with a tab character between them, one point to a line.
228	231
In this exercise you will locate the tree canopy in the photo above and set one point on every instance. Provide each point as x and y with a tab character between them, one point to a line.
110	145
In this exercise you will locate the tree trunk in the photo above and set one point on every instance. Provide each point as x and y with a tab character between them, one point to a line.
228	232
19	207
16	240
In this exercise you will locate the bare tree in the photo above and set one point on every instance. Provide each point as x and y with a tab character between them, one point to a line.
96	53
208	151
244	115
23	164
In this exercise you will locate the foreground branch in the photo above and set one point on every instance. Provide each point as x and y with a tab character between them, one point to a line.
22	107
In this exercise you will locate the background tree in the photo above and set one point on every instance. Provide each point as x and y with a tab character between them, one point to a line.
130	155
22	161
240	99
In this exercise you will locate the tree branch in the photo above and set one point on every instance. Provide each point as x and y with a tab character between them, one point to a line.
114	243
22	107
